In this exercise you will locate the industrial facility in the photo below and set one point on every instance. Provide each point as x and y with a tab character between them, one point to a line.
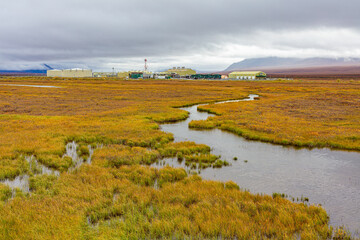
251	75
175	72
73	73
205	76
181	72
136	75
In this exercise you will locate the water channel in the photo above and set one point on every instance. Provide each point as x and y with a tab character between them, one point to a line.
327	177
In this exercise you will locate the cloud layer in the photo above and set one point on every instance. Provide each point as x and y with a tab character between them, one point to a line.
208	35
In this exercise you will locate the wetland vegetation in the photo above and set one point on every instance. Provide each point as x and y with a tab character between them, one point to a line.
314	114
116	195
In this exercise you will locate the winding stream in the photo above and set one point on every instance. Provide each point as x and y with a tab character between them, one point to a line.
327	177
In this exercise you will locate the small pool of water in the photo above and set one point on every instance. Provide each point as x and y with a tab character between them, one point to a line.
22	182
71	151
327	177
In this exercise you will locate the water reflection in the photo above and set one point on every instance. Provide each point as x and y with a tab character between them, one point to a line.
326	177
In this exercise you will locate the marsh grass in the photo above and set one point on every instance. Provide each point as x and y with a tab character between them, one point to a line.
55	161
115	197
5	193
303	114
202	124
43	184
119	155
197	156
183	148
10	168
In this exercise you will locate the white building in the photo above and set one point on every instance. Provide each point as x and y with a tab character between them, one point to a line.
249	75
73	73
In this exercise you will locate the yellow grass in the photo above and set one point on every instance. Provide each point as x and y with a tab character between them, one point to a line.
304	113
116	197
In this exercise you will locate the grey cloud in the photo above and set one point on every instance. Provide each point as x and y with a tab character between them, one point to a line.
54	30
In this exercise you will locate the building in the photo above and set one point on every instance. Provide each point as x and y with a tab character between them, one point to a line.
161	75
111	74
250	75
73	73
136	75
182	72
123	74
147	75
205	76
104	74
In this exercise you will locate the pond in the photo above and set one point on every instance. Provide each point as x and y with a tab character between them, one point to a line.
327	177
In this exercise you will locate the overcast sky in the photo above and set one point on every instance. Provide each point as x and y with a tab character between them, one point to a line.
202	34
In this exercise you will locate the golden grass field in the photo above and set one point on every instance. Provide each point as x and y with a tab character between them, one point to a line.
118	197
302	114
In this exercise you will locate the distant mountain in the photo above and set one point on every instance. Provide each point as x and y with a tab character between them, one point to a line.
41	70
23	71
285	63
